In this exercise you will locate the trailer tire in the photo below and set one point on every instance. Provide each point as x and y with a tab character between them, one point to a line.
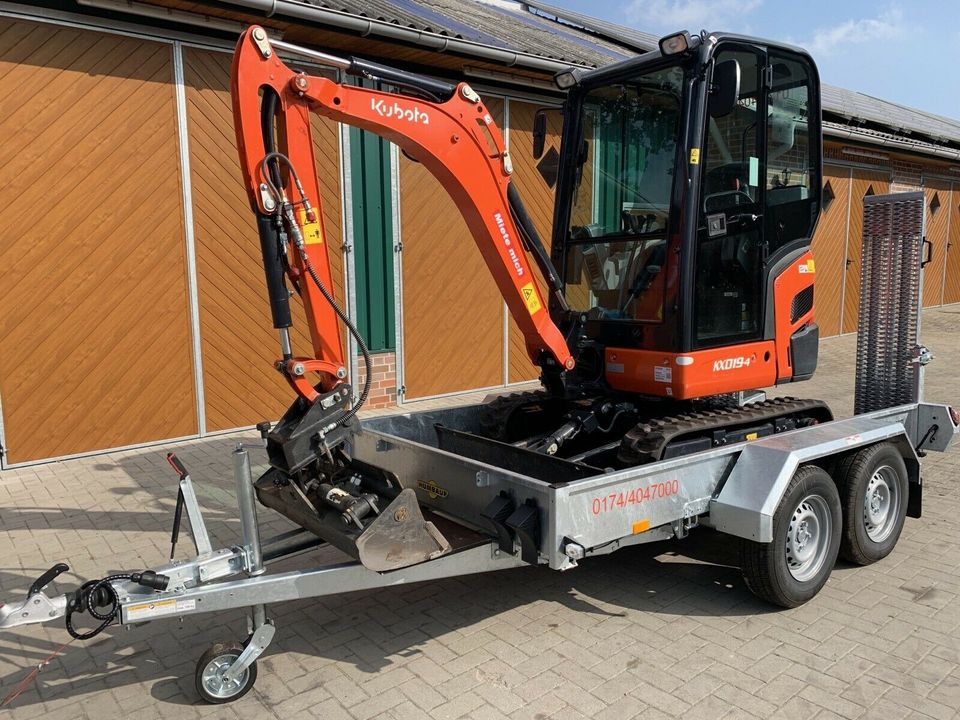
210	668
793	568
873	492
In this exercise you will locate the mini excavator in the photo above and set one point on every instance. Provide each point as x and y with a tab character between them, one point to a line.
679	278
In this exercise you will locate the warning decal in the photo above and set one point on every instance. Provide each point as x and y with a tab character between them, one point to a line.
310	229
530	298
147	610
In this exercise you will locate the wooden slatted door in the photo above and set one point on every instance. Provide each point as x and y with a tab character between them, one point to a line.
951	278
937	199
530	175
239	343
452	310
829	248
94	323
864	182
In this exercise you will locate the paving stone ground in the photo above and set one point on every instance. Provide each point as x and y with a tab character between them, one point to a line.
652	631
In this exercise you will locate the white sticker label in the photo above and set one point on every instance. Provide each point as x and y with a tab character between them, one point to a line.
146	611
754	172
662	374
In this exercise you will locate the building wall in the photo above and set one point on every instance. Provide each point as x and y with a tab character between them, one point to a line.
133	308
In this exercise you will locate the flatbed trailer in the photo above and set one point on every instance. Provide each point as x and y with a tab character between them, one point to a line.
494	515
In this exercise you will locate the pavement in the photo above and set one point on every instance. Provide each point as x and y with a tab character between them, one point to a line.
652	631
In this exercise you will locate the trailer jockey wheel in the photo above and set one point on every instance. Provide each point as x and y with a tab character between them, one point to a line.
212	665
873	490
806	538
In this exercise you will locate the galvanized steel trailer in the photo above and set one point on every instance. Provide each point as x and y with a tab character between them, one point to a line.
793	497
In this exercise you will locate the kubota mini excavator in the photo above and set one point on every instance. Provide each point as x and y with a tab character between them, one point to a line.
679	278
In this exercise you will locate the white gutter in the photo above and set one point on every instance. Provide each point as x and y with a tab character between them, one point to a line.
368	27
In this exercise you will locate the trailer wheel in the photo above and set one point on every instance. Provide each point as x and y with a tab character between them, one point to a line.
806	537
209	674
873	490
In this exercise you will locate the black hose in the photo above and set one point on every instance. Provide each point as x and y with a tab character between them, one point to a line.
367	361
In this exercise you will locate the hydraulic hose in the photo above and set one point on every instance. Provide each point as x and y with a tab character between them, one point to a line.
367	361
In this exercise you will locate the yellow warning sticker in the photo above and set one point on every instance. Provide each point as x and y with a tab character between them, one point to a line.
811	267
751	436
807	268
694	156
310	229
530	298
158	608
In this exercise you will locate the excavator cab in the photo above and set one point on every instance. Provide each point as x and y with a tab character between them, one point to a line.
688	192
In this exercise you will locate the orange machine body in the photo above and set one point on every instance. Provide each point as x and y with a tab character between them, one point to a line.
731	368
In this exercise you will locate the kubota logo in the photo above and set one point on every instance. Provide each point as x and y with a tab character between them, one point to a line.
734	363
415	114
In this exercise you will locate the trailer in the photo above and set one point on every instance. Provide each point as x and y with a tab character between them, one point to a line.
793	498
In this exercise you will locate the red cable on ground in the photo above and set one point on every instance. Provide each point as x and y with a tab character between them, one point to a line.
31	676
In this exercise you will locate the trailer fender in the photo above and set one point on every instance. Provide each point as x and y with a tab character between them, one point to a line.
746	501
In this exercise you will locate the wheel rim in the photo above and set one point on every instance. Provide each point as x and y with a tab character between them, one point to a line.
881	504
808	537
214	682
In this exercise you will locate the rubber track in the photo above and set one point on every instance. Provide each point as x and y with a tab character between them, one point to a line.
496	413
647	441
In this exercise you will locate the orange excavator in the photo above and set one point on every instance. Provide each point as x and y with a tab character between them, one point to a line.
679	279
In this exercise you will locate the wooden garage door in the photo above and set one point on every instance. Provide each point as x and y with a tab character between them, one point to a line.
537	196
865	182
239	343
94	323
452	310
951	279
937	199
829	248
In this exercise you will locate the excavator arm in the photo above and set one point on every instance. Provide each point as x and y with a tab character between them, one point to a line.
445	127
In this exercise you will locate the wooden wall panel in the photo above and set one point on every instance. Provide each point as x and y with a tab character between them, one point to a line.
538	197
452	310
951	278
863	182
94	322
239	344
937	227
829	248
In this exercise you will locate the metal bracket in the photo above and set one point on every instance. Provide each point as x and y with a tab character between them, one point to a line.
201	539
258	642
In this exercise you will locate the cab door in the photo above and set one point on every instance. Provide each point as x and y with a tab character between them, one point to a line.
759	196
729	253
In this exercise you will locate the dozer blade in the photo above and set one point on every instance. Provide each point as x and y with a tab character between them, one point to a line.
400	536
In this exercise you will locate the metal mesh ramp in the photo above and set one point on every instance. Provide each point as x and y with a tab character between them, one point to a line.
888	352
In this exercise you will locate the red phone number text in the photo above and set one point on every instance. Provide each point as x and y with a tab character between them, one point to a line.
637	496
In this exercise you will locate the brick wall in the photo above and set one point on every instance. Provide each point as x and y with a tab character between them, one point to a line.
383	388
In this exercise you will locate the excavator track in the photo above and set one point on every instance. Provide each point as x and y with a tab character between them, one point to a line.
649	441
495	420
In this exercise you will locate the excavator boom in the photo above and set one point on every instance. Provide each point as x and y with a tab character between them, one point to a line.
445	127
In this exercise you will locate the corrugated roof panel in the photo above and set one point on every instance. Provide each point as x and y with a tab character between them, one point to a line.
636	39
577	38
851	104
